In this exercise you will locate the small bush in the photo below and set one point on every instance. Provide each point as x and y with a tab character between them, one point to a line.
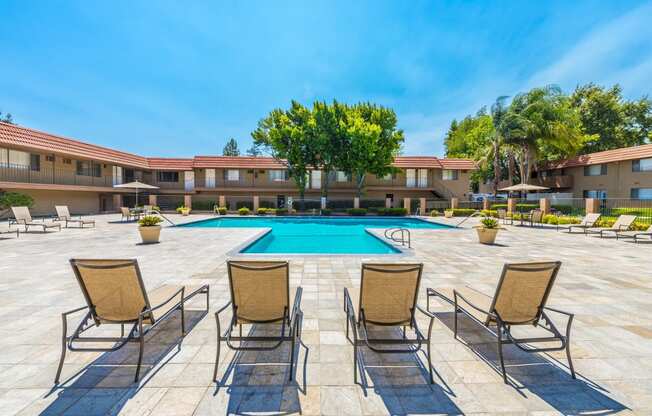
356	211
281	211
641	212
244	211
564	209
15	199
462	212
261	211
325	211
489	223
244	204
393	212
221	210
490	213
560	220
149	221
435	213
182	208
519	207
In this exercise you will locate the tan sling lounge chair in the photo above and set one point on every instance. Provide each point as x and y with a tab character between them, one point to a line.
520	299
536	218
387	297
128	214
260	294
115	295
635	234
63	214
505	216
588	221
623	223
23	217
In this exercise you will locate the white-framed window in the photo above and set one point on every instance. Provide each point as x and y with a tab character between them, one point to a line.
411	178
14	159
423	178
167	176
595	170
315	179
117	175
449	174
341	176
232	175
595	193
642	165
209	174
189	180
278	175
641	193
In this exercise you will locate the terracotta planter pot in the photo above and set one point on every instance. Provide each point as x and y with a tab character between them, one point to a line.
448	214
185	212
487	235
150	234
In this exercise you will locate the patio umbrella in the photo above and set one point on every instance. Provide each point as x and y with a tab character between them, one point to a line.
137	186
524	187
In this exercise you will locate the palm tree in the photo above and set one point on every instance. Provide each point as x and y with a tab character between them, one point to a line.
498	111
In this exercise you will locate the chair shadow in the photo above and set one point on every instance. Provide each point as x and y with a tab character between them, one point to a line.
402	381
106	384
536	373
259	380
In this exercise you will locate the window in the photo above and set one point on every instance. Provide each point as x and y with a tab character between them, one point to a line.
315	176
16	159
49	158
87	168
117	175
232	175
278	175
642	165
641	193
410	178
597	193
342	176
167	176
449	174
35	162
595	170
67	161
209	174
423	178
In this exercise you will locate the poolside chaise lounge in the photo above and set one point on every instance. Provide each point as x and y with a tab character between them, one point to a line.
8	230
115	294
623	223
128	214
505	216
260	294
536	218
635	234
387	298
63	214
588	221
23	217
520	300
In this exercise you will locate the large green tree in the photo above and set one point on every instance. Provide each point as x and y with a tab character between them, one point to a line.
231	148
330	138
612	121
289	136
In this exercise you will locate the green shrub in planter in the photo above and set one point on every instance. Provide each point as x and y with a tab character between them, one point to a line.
281	211
325	211
221	210
261	211
244	211
489	223
435	213
356	211
149	221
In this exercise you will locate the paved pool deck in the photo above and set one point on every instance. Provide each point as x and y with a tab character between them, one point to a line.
606	283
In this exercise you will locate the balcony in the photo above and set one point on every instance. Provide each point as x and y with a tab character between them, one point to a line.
555	182
53	176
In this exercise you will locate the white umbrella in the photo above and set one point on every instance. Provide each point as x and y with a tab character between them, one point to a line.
524	187
137	186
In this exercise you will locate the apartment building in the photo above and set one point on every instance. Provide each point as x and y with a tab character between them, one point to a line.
58	170
618	173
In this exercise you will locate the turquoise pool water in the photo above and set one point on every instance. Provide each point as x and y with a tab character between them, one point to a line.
317	235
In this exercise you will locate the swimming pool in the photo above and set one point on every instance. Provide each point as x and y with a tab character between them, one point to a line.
316	235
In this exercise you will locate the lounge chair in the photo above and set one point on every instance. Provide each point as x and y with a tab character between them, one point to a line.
623	223
520	300
635	234
8	230
536	217
23	217
115	295
505	216
147	209
387	298
260	294
128	214
588	221
63	214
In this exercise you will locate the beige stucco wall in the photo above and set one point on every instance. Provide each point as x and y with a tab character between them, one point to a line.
618	182
78	202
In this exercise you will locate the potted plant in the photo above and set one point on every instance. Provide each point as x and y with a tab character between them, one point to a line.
149	228
449	213
183	210
487	230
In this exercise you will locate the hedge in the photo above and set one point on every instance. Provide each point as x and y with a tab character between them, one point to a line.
641	212
393	212
435	213
462	212
281	211
15	199
244	211
607	222
325	211
221	210
518	206
554	219
203	205
356	211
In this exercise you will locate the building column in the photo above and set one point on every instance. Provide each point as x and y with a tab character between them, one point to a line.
486	204
323	202
388	202
592	205
187	201
256	202
511	205
117	202
153	200
406	204
221	201
356	202
422	205
455	202
544	205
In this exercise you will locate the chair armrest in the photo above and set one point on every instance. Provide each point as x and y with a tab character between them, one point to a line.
296	307
74	310
350	313
165	302
457	294
425	312
558	311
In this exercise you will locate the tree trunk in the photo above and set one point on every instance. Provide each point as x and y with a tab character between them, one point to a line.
497	173
360	184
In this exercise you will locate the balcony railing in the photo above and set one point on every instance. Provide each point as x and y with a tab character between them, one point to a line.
23	174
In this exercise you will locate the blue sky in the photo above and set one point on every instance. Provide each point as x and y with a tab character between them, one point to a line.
179	78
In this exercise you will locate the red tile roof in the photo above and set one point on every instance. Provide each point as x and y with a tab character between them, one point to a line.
615	155
26	138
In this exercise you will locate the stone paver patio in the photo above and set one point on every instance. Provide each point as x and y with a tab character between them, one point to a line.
606	283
